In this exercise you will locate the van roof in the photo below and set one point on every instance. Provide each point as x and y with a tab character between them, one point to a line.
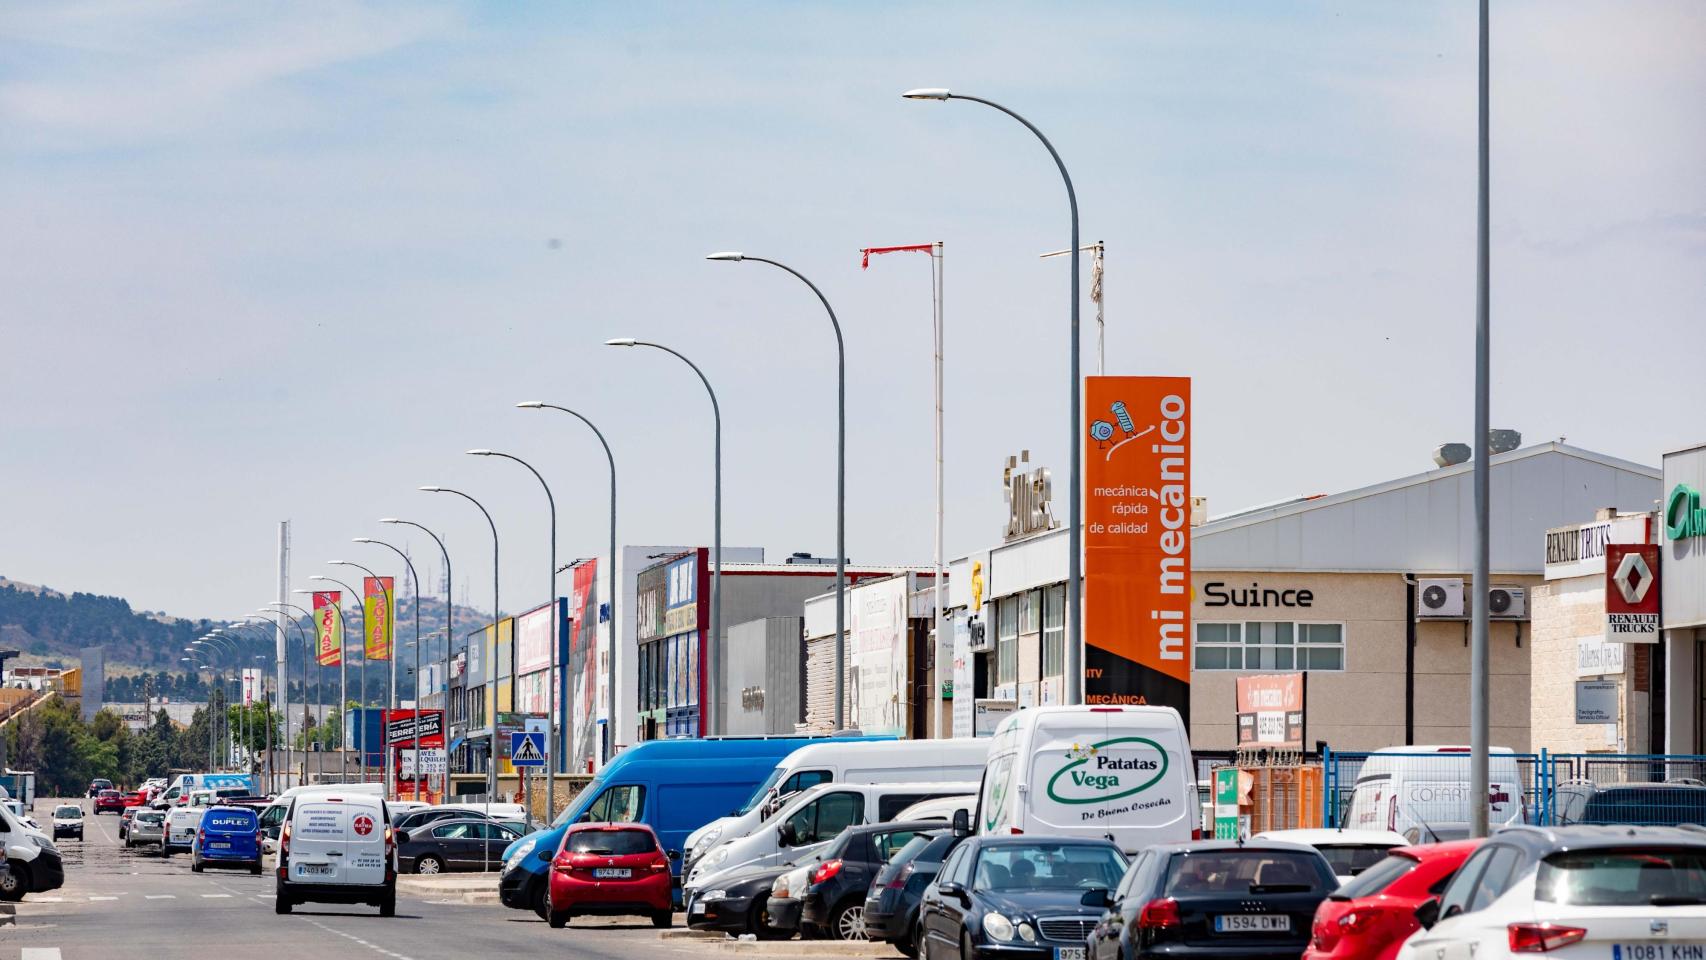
702	749
812	751
1437	748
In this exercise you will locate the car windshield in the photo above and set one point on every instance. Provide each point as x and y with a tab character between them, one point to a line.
611	843
1662	806
1378	877
1350	859
763	788
68	812
912	849
1623	878
1048	866
1239	872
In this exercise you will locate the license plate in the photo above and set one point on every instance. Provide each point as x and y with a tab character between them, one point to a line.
612	873
1658	951
219	846
696	909
314	869
1070	953
1252	923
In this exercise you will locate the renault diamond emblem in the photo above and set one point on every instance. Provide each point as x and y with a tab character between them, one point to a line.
1659	928
1633	578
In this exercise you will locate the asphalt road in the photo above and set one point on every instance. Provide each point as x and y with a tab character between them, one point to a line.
131	903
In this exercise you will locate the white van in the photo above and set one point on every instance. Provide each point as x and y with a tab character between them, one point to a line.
939	808
272	817
337	846
813	818
855	761
34	862
1423	792
1117	773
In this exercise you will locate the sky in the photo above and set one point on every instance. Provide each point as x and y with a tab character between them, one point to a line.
269	261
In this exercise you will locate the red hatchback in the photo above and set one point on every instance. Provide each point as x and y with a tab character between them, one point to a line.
609	869
109	800
1370	917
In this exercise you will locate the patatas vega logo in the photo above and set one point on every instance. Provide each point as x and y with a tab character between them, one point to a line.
1108	771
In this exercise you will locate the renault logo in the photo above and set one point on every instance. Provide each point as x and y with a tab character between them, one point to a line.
1633	578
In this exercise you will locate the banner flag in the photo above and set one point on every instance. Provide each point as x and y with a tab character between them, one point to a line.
379	610
865	263
329	629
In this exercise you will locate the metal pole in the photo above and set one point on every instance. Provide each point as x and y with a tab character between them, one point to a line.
449	633
385	776
415	579
1479	731
941	503
343	674
492	758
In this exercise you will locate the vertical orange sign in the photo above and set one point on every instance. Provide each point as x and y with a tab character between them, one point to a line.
329	629
1137	541
378	614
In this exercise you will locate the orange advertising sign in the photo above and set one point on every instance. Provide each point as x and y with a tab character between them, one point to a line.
328	629
1137	541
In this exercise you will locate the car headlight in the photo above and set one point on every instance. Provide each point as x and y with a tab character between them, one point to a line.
521	853
717	859
1027	934
709	838
997	927
714	895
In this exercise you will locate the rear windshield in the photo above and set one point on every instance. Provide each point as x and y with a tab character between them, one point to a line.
152	816
1349	860
1239	872
1623	878
611	843
1378	877
1647	806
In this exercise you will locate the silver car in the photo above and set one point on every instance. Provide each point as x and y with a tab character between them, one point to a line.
146	827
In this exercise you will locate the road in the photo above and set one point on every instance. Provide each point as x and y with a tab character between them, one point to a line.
131	903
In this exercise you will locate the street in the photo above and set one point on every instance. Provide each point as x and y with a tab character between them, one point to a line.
127	903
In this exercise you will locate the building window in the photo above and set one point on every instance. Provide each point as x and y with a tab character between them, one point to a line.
1270	646
1054	631
1007	641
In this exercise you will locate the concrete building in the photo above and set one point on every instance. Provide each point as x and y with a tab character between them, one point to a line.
1682	599
765	683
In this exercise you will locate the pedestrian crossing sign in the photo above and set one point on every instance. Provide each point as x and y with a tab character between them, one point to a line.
527	749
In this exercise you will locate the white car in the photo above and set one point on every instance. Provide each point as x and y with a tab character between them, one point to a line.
1577	893
1349	851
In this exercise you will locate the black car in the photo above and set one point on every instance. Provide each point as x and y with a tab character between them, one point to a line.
891	904
1017	898
737	906
834	902
1215	900
97	785
420	818
465	843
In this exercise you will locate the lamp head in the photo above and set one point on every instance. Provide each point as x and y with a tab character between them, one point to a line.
730	255
318	577
431	489
621	342
927	93
389	520
478	453
531	405
363	540
303	592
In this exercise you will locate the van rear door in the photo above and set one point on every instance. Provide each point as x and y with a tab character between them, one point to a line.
364	843
318	827
1111	772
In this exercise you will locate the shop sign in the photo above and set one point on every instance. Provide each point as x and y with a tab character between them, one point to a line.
1270	710
1137	541
1030	495
400	727
1684	517
1596	657
962	675
1596	701
1578	550
680	619
988	714
1632	593
1218	594
1107	771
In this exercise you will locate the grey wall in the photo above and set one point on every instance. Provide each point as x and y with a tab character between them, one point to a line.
764	657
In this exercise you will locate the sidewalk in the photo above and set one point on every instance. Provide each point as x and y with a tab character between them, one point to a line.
466	887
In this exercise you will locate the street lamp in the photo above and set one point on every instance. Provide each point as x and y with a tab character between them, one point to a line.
709	695
417	644
551	671
307	654
448	635
1075	525
610	571
390	656
492	759
840	479
343	678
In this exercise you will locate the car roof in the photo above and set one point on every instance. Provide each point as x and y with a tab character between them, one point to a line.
584	827
1544	841
1323	835
1649	785
1254	845
1424	851
896	826
1025	839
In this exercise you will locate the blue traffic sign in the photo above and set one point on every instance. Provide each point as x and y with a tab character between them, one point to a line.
527	749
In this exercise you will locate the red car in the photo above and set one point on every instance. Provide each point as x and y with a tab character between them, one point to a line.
109	800
1370	917
134	800
609	869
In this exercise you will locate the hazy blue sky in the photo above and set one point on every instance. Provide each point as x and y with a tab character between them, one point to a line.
270	260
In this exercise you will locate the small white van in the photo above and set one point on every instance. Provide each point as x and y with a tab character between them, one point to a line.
1423	792
35	864
337	847
272	817
813	818
1117	773
845	761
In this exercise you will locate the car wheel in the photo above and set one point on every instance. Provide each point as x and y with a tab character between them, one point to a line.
388	906
281	904
15	883
429	864
908	942
663	919
541	898
758	923
847	922
965	946
558	919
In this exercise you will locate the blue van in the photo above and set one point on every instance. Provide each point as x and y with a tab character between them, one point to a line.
673	786
228	836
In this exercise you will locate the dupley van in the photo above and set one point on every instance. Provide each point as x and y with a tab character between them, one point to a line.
1119	773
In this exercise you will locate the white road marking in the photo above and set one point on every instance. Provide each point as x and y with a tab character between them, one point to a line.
93	899
41	953
375	948
160	896
48	899
216	896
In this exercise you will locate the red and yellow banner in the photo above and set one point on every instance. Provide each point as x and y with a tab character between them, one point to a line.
378	611
1137	541
329	629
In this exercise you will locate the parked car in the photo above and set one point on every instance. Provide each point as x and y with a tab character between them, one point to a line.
1423	792
1370	917
1583	891
34	864
338	847
1252	900
607	869
228	836
109	801
891	904
124	820
1349	851
1018	896
134	799
147	828
781	915
1637	804
741	905
97	785
834	902
181	825
466	843
940	808
68	821
402	808
422	818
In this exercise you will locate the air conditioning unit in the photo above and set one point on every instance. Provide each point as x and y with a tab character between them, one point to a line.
981	642
1439	599
1507	603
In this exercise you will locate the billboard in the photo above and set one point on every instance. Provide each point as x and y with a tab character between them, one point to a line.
583	665
251	685
400	727
378	611
1632	593
1137	541
533	631
328	629
876	673
1271	710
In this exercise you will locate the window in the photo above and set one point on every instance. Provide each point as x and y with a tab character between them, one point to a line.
1054	631
886	845
1495	880
1007	642
621	804
1239	872
826	816
611	843
894	803
1268	645
691	642
954	869
452	831
1048	866
1622	878
803	780
1457	895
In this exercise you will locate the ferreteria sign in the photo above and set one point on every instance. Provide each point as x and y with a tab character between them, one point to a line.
1684	517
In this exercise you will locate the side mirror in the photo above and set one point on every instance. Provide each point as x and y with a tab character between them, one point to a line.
401	836
1096	897
673	854
949	888
1428	913
962	824
788	835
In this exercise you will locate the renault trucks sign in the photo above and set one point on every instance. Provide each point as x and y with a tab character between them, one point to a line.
1632	593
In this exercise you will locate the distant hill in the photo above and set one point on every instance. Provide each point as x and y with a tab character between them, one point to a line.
48	625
